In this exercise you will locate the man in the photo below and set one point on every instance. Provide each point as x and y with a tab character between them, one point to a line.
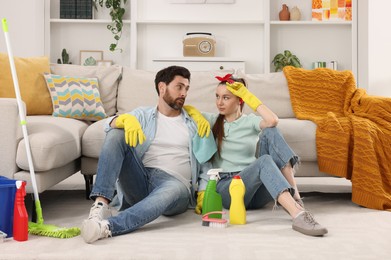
156	173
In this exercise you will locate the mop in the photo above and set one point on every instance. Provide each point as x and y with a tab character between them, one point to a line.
38	228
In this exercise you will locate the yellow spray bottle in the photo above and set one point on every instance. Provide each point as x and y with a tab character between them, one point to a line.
237	209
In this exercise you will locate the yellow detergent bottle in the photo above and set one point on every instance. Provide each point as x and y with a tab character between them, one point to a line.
237	209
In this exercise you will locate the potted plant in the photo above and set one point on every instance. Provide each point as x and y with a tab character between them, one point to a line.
117	12
65	58
285	59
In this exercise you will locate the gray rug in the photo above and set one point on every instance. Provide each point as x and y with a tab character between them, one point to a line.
354	233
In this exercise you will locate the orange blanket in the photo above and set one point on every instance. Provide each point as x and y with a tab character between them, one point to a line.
353	136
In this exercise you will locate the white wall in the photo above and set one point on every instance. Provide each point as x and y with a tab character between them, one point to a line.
26	26
379	48
156	41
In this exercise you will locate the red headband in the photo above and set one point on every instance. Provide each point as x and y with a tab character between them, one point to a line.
226	78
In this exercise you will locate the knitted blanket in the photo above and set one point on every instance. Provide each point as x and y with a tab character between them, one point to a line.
353	136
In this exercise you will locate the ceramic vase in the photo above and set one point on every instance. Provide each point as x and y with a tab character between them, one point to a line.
284	14
295	14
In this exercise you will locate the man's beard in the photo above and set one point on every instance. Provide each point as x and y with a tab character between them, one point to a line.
175	104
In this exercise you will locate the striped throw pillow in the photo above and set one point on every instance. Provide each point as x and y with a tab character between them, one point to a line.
75	97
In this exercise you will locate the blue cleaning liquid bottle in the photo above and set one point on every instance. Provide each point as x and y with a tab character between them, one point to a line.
212	199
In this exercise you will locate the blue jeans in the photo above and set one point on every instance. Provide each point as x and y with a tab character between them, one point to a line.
148	192
263	178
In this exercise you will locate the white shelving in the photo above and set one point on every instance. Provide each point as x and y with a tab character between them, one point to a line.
249	29
201	63
87	21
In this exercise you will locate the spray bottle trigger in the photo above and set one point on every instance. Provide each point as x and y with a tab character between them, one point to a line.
214	173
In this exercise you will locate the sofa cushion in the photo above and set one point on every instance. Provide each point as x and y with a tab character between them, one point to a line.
108	78
301	137
272	90
32	84
93	139
54	142
202	93
137	88
75	97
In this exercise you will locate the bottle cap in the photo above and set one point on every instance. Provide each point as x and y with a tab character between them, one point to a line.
237	177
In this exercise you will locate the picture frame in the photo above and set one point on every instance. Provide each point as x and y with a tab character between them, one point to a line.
90	57
105	63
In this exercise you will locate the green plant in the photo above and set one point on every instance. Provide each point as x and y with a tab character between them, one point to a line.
117	12
285	59
65	57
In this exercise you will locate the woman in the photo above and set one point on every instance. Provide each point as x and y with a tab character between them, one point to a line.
268	177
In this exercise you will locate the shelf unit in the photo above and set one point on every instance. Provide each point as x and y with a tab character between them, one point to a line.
201	63
249	29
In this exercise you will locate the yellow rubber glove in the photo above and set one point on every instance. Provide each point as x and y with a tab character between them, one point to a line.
202	124
200	199
132	128
239	90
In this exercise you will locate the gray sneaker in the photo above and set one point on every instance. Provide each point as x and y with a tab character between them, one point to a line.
93	230
305	223
99	211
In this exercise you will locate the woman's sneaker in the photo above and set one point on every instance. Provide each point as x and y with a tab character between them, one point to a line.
305	223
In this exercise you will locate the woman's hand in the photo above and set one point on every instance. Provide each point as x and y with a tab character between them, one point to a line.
239	90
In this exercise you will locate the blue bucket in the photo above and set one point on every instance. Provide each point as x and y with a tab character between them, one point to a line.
7	200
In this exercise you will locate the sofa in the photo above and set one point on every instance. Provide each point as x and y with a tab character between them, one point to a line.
64	146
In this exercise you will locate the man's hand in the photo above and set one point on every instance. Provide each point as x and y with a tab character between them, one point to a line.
132	129
200	199
239	90
202	124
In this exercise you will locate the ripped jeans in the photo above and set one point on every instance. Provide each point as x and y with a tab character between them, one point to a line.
263	178
148	192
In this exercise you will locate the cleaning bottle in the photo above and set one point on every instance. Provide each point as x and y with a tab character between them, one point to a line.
212	199
20	229
237	209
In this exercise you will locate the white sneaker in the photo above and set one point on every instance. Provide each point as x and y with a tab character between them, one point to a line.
99	211
93	230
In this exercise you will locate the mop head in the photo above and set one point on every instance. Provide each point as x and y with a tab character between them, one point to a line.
52	231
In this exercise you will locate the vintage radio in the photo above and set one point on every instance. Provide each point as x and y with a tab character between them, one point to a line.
197	44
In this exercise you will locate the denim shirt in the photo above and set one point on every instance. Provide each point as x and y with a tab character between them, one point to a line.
148	120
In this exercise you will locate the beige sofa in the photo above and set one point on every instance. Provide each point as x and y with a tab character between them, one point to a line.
63	146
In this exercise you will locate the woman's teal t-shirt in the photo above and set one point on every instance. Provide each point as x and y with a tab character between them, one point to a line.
240	142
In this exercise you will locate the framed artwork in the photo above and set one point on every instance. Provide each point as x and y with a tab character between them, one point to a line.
90	58
105	63
324	10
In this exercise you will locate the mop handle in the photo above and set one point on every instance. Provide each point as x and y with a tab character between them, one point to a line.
21	109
